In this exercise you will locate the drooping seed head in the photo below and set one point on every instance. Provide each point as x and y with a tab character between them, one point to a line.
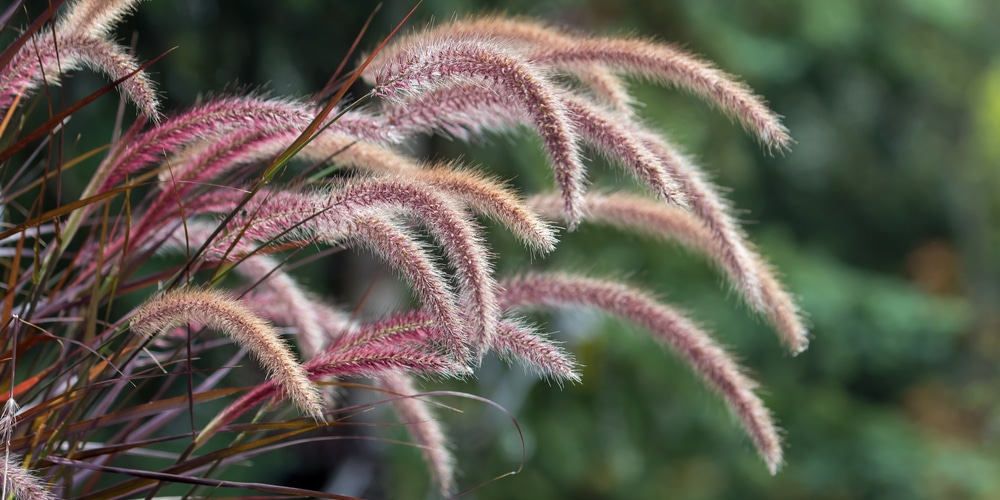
690	342
220	312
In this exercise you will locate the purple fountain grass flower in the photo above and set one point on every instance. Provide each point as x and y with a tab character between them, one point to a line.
755	281
94	18
610	134
518	341
291	305
423	66
80	38
225	119
355	357
643	215
607	89
592	59
274	293
402	251
201	161
425	430
667	64
277	296
412	334
194	167
457	235
45	59
484	195
20	482
515	341
523	34
586	57
690	342
417	326
467	110
290	215
372	360
351	152
325	214
218	311
201	123
211	159
204	157
317	323
464	111
489	197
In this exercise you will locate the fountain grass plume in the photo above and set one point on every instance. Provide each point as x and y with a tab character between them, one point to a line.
220	312
709	360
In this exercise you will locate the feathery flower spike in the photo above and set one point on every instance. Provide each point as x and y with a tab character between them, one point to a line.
43	58
20	482
757	283
585	57
350	358
604	84
304	218
450	226
220	312
470	110
690	342
489	197
642	215
425	66
94	18
457	235
518	341
667	64
289	303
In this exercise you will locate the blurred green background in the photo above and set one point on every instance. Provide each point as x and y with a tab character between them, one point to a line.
883	219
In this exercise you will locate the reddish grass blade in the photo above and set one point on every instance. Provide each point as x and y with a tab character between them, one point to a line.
175	478
328	88
63	210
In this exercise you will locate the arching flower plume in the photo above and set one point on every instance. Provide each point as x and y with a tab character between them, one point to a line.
80	39
294	216
274	293
585	56
408	342
470	110
518	341
95	18
507	72
525	34
324	214
642	215
217	311
690	342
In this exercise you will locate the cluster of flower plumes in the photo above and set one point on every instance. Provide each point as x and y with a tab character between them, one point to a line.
464	79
